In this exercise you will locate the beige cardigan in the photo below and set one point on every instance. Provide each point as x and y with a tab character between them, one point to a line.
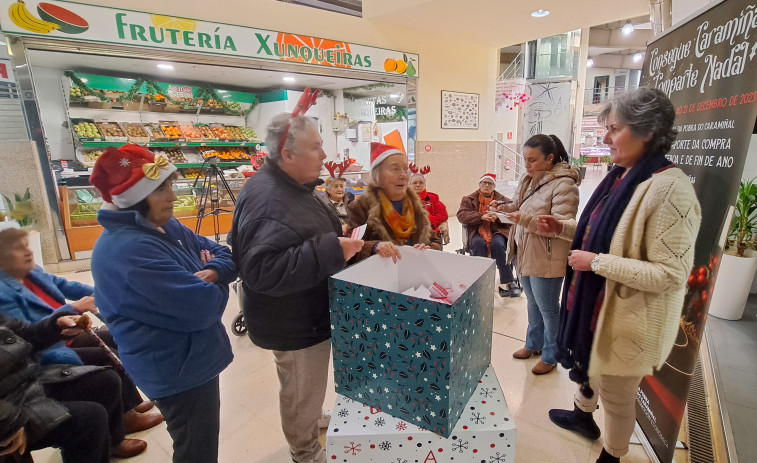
651	255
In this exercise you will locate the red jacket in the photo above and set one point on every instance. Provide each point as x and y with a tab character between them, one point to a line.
437	211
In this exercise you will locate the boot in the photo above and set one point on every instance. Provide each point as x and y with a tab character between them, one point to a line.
128	448
136	422
576	420
605	457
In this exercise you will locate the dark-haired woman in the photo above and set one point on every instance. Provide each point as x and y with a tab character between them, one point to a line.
547	188
631	255
162	290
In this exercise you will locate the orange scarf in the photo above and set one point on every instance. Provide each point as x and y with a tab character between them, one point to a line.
485	229
402	225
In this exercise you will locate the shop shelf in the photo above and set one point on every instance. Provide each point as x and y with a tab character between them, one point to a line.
220	164
171	144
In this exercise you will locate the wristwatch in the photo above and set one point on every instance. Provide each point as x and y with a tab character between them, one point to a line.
595	264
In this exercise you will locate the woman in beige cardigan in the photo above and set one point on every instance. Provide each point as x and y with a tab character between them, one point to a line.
631	254
547	187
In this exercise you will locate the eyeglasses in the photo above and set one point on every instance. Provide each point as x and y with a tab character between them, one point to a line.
487	184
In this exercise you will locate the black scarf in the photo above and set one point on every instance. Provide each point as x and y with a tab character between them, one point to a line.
575	337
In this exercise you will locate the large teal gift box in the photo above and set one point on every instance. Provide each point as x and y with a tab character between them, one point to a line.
414	358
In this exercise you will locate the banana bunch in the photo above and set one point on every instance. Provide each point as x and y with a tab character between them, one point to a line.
25	20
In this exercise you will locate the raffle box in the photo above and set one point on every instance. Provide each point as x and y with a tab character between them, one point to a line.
485	433
409	356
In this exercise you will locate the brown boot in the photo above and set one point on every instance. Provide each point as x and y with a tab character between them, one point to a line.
135	422
144	406
524	353
542	368
128	448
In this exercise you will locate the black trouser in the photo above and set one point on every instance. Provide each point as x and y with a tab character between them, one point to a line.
82	439
193	419
91	354
498	249
102	387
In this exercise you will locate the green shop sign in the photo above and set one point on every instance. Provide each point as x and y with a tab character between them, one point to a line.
88	23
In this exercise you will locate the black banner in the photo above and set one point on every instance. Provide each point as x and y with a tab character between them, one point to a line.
708	68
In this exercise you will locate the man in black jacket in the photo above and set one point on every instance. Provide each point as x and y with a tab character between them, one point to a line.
286	242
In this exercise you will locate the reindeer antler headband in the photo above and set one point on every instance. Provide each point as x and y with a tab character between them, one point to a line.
307	100
423	170
337	169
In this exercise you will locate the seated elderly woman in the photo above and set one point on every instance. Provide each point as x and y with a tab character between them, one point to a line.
74	408
162	289
392	212
336	196
30	294
437	211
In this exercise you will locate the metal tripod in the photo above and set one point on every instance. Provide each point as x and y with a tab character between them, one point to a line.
212	180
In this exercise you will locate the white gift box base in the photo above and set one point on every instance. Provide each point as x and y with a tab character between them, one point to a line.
485	433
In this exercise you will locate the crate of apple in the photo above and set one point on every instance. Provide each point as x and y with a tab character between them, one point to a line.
220	132
207	132
191	133
86	129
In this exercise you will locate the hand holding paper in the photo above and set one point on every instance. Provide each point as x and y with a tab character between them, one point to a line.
358	232
350	247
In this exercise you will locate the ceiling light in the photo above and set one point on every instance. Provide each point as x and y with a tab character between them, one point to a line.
223	91
166	67
2	42
637	57
289	79
589	63
539	13
627	28
84	79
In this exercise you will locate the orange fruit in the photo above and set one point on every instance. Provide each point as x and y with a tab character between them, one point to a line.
390	65
401	67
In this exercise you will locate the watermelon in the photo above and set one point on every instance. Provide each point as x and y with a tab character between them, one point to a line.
69	22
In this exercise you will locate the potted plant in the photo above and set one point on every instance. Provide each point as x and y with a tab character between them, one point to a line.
738	266
580	163
606	160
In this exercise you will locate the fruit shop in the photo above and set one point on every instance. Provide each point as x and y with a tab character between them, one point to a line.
192	91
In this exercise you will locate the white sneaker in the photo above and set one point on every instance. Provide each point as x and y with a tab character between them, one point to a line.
325	419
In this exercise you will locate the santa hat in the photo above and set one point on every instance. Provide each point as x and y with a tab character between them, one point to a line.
491	177
127	175
379	152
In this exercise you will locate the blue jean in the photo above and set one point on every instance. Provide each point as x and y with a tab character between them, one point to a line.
543	296
498	249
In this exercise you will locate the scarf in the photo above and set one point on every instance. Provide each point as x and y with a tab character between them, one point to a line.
485	229
575	336
402	225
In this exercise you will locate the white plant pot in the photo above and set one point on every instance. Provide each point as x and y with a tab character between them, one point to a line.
732	286
35	244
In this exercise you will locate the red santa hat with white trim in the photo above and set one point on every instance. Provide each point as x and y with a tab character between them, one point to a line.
380	151
127	175
492	177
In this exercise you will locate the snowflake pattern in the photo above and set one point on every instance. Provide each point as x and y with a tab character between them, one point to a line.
498	458
400	460
409	341
379	422
344	413
477	418
486	392
385	446
459	446
125	162
401	426
354	448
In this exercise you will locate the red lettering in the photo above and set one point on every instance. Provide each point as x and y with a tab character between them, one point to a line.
3	71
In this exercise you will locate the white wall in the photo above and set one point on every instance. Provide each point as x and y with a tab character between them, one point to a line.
750	166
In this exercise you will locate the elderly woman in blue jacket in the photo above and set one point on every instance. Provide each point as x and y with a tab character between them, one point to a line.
30	294
162	290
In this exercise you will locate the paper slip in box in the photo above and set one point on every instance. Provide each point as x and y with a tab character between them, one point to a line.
485	433
406	355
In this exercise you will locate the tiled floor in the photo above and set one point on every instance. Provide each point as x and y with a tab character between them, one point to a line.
735	348
250	425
